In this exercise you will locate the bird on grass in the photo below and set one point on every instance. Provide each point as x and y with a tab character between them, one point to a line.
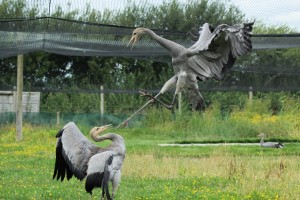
269	144
211	56
78	156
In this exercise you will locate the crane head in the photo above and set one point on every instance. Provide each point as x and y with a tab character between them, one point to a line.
261	135
98	130
136	36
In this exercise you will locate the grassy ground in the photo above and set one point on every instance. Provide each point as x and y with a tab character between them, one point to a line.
151	171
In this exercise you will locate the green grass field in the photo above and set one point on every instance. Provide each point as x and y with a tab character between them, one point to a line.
151	171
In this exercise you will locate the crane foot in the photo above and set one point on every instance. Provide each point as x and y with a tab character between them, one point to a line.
146	94
152	98
124	124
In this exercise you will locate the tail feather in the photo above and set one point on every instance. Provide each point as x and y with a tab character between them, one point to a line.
105	180
195	98
280	145
100	180
92	181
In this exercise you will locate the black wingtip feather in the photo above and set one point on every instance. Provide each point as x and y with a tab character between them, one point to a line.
72	171
59	134
69	173
58	160
61	168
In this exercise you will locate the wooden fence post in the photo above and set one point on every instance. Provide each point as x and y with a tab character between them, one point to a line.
19	109
101	103
57	119
250	95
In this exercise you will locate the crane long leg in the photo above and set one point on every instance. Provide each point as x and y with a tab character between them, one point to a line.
139	110
171	106
167	86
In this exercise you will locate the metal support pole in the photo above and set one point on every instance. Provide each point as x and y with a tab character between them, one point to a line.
19	110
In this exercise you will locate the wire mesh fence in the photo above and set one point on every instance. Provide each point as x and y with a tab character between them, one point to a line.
79	38
59	119
274	64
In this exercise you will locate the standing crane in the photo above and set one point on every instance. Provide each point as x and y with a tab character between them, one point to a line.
78	156
269	144
212	55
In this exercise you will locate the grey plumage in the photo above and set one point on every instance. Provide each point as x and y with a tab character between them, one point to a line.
76	155
269	144
212	55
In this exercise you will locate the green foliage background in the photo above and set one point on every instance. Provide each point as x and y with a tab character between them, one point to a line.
45	70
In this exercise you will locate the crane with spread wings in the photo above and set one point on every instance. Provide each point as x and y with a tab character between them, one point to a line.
78	156
212	55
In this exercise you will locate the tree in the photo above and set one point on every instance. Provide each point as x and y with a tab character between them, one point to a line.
46	70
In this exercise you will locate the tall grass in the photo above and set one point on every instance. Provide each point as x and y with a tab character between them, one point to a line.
245	122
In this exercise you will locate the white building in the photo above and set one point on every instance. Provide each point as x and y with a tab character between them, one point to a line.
30	101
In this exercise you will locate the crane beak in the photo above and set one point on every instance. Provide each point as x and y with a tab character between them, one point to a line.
103	128
132	41
100	129
261	135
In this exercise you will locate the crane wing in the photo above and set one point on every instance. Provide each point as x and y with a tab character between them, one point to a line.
73	151
272	145
216	52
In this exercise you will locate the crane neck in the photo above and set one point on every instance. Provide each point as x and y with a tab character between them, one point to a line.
109	136
171	46
262	140
118	143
